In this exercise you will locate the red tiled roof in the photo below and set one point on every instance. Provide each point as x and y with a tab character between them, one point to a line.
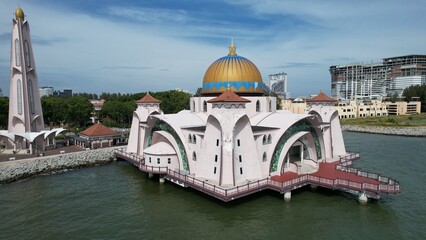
148	99
321	97
228	96
98	130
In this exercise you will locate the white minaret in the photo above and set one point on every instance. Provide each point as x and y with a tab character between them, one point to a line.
25	113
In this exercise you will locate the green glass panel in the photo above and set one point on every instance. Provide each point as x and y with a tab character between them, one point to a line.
300	126
163	126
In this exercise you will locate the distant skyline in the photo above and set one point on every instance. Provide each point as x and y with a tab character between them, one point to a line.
128	46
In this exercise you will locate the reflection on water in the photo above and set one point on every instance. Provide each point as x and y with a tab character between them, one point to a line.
117	201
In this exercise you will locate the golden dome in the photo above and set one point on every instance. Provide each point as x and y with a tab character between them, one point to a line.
232	72
19	14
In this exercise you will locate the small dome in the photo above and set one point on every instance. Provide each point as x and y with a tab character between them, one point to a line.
232	72
19	14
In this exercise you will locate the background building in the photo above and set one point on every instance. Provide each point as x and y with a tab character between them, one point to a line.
1	93
403	108
278	84
65	93
46	91
377	80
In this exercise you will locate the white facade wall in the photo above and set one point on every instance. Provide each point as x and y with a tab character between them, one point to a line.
229	144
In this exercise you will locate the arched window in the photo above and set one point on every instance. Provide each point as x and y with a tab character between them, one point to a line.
193	105
270	105
204	106
264	157
27	54
194	140
269	138
19	95
189	138
17	53
194	156
257	106
31	96
264	141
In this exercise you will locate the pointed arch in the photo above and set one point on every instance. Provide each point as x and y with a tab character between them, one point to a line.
27	54
258	106
17	53
19	95
31	96
205	106
299	127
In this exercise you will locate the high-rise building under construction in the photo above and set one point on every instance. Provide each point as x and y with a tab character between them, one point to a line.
278	84
390	76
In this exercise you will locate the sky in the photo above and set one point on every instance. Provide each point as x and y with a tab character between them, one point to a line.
124	46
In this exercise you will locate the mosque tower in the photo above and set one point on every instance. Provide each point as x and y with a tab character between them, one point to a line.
25	113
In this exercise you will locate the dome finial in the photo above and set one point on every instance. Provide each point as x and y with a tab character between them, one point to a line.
232	48
19	13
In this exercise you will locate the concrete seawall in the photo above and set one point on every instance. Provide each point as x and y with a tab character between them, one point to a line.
20	169
400	131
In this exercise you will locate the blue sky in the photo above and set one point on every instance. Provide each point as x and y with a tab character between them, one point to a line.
137	46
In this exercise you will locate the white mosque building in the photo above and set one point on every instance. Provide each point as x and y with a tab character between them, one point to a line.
233	141
232	133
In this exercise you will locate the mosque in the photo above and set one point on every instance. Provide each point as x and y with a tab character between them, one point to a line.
233	141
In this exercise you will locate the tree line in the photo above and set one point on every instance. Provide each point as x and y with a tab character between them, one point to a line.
117	111
416	91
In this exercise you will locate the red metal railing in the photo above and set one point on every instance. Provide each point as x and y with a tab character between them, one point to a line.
386	184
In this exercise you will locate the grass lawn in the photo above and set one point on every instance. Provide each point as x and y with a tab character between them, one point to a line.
389	121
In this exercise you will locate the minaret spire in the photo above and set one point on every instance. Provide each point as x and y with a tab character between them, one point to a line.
25	113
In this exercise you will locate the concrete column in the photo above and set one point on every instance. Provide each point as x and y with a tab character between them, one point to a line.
287	196
150	175
301	153
288	159
362	198
161	179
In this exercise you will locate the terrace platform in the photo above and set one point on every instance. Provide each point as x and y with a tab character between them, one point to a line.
339	175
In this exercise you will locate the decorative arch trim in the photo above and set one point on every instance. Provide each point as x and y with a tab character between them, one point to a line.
300	126
163	126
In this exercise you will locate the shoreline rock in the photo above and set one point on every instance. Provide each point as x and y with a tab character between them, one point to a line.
13	171
399	131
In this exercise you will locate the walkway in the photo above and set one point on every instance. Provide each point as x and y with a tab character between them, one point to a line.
338	175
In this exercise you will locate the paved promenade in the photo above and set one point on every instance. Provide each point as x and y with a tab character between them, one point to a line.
401	131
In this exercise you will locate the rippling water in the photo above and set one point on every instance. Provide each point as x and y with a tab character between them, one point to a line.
117	201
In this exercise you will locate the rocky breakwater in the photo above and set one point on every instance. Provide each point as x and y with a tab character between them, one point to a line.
16	170
401	131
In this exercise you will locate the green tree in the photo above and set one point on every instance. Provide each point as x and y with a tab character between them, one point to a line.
54	111
416	91
117	112
78	111
4	112
173	101
198	92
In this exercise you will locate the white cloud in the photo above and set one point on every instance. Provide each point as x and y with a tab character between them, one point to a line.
164	49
